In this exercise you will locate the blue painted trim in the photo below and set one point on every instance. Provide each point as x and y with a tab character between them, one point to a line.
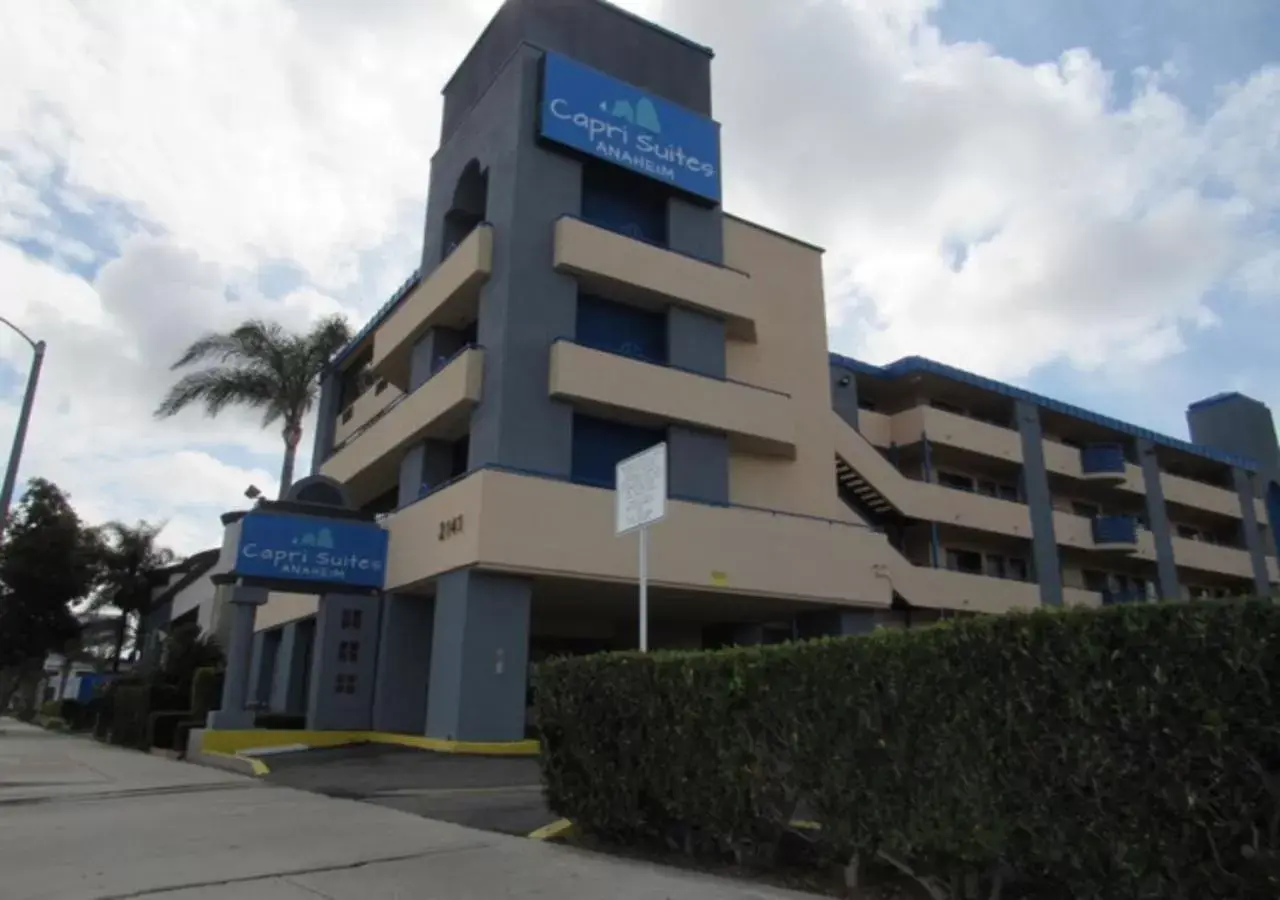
914	365
548	476
665	365
396	402
1103	459
643	240
390	306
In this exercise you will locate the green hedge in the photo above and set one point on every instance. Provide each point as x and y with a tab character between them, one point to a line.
133	705
163	726
206	691
1132	752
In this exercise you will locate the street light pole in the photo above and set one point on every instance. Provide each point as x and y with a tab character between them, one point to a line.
24	418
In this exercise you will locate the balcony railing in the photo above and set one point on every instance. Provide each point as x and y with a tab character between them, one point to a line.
1116	532
1103	461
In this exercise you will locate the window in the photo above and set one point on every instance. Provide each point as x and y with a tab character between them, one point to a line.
947	407
344	683
348	651
1017	569
351	619
621	201
618	328
1189	533
1088	510
599	445
956	481
964	561
990	488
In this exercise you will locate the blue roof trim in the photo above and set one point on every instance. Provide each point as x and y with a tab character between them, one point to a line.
913	365
378	318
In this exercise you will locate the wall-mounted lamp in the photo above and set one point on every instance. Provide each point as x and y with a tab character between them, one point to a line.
844	381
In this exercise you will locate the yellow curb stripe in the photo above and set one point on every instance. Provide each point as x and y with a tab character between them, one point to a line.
233	742
256	766
557	829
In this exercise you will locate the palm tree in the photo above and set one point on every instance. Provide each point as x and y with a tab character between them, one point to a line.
262	366
130	565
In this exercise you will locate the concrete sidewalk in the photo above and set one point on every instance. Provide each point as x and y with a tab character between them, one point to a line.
80	821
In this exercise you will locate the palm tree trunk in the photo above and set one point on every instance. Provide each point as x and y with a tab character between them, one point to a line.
292	435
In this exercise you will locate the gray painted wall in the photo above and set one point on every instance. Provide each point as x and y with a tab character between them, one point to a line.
1044	545
698	464
1158	522
404	664
425	463
599	35
432	350
327	707
479	657
1237	424
1253	542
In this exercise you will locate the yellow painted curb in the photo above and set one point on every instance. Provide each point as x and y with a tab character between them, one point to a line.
232	742
256	766
557	829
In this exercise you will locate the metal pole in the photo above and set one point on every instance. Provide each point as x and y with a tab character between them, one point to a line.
20	436
644	589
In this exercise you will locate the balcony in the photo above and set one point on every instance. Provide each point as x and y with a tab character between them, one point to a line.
1205	557
447	297
757	420
368	464
1115	533
1103	462
645	274
1201	496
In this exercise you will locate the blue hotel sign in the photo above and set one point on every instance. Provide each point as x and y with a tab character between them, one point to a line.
608	119
303	548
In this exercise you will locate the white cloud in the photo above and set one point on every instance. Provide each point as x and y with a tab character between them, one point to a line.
996	215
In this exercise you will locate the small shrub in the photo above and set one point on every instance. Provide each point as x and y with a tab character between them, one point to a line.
182	733
206	691
280	721
51	709
133	705
162	729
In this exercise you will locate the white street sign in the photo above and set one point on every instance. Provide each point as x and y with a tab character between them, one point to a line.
641	496
641	500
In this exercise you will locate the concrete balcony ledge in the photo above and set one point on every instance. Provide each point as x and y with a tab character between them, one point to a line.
447	297
758	420
648	275
440	408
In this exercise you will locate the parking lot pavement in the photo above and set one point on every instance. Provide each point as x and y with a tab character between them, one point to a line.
502	794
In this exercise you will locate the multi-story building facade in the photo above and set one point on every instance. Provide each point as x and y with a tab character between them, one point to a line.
583	296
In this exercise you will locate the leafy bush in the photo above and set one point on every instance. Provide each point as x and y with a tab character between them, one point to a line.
162	729
133	706
206	691
280	721
51	709
187	652
1132	752
182	733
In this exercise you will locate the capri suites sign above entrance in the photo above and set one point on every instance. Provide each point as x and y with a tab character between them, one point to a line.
307	549
589	111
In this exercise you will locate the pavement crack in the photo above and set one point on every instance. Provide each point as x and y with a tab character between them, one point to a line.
290	874
138	793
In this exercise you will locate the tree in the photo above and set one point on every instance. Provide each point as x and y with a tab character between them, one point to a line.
130	561
47	562
264	367
187	650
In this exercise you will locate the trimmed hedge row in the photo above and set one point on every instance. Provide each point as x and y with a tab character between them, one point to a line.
1131	752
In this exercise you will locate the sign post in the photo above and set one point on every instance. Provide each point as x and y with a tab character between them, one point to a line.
640	500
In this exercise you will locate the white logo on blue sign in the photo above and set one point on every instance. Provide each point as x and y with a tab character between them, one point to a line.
589	111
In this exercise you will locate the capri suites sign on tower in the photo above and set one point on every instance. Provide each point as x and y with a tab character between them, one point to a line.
590	112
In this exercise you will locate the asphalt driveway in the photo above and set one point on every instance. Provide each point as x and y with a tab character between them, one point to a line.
502	794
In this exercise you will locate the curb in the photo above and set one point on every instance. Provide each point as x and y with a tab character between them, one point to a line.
232	743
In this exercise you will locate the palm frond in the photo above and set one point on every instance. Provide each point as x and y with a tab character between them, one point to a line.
216	389
253	341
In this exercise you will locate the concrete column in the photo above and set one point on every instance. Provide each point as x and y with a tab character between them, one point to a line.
404	664
1252	535
1035	477
479	657
1158	521
242	606
257	667
326	420
844	395
343	660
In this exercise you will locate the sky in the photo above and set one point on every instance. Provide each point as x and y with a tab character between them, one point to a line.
1078	196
